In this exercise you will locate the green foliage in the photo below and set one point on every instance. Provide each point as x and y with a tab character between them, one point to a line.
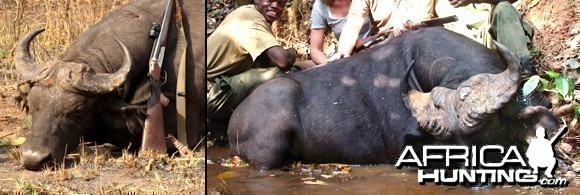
563	85
576	116
545	83
552	74
531	84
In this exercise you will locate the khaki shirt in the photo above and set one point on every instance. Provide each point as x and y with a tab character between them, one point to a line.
386	14
237	42
474	20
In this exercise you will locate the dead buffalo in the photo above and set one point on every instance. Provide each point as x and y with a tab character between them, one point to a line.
99	88
358	110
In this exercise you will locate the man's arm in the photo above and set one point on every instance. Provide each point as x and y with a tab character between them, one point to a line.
348	37
461	3
262	45
280	57
316	44
360	43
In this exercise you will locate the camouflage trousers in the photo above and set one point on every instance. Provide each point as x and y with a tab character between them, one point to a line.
503	23
225	93
509	28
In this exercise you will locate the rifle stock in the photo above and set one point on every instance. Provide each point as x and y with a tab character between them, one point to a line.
154	129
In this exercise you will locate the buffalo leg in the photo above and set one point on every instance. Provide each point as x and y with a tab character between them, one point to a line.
265	143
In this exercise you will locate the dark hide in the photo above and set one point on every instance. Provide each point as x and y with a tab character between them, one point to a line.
61	113
352	111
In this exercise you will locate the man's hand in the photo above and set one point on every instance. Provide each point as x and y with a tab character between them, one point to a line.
398	30
461	3
415	25
336	56
281	58
384	32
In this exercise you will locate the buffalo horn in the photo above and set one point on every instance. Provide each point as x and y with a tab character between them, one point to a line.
27	68
443	110
102	83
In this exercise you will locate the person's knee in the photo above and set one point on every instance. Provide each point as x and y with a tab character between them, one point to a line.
505	9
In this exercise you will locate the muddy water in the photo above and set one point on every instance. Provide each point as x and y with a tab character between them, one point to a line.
377	179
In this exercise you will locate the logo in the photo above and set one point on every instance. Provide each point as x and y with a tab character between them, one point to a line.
473	164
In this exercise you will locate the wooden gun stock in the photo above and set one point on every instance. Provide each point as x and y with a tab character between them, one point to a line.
154	130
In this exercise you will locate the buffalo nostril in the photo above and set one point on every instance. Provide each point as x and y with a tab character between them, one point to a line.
34	160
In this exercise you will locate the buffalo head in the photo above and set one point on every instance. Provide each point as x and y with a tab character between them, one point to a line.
61	97
454	114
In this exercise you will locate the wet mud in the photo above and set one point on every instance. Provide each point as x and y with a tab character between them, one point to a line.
225	177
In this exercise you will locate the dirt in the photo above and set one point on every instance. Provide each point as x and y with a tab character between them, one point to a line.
557	37
12	120
99	169
112	174
556	25
556	43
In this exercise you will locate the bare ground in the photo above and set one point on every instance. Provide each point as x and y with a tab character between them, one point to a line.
100	169
556	44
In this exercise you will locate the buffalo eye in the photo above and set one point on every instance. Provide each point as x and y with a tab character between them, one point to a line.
77	110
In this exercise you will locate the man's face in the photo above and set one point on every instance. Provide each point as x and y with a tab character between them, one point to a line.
271	9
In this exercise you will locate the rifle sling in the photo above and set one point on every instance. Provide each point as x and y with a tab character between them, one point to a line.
180	98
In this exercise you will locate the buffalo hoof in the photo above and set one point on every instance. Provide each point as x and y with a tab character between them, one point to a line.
34	160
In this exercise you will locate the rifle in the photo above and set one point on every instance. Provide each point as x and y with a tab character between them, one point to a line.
559	133
411	26
154	129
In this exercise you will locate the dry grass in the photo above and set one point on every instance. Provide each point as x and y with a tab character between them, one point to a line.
63	20
293	29
15	153
91	169
159	174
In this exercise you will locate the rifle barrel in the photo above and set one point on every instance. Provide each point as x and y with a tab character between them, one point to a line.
440	21
161	39
558	135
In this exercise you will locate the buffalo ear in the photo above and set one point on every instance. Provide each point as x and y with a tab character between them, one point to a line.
22	98
538	116
132	114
